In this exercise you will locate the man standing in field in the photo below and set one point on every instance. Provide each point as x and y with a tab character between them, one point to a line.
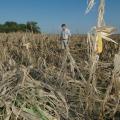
65	36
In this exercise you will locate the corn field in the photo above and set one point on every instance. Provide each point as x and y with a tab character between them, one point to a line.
38	81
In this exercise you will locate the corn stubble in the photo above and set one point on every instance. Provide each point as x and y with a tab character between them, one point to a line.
40	82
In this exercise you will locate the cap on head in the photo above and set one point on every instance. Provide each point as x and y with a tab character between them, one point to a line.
63	25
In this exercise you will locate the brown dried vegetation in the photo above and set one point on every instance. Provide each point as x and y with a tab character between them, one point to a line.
38	81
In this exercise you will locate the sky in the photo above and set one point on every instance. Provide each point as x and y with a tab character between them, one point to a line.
50	14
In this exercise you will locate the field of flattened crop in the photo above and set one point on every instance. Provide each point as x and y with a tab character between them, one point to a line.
39	81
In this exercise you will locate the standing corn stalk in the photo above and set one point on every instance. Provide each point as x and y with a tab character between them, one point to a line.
95	48
100	31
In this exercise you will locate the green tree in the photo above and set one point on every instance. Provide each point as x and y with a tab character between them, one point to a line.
33	27
11	26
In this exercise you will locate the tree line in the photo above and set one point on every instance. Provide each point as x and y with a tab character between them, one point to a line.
11	26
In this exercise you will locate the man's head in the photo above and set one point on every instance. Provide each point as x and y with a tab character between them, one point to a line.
63	26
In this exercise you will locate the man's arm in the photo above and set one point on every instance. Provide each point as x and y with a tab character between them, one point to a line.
60	38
